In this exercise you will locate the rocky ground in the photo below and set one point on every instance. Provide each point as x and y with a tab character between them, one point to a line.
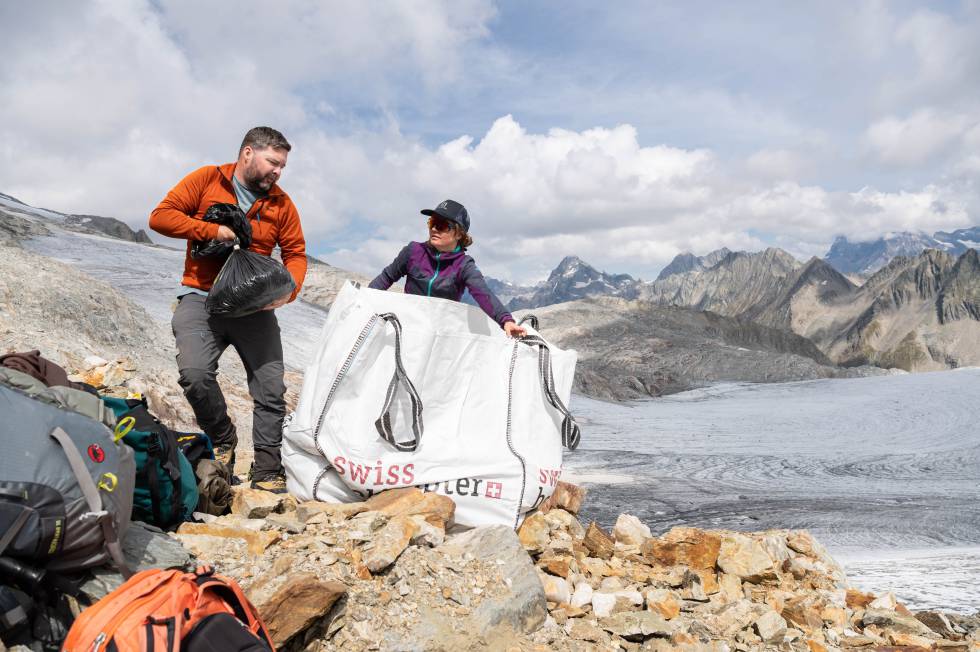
391	574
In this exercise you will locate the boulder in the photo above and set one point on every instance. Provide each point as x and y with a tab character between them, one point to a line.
630	530
524	606
257	541
889	619
683	546
664	602
771	627
566	496
255	503
409	501
290	604
556	589
559	566
598	541
389	543
603	604
858	599
534	533
744	557
937	622
582	595
144	547
804	611
561	521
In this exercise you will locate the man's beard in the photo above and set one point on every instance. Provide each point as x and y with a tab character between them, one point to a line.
256	181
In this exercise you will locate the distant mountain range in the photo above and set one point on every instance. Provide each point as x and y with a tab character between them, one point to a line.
917	313
866	258
573	279
729	285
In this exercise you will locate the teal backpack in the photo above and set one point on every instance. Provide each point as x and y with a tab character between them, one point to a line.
166	488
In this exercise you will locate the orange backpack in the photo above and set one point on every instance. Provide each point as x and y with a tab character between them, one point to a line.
169	611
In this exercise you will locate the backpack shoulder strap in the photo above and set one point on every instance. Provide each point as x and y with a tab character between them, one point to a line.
94	500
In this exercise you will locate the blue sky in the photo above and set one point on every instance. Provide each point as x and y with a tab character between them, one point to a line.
621	132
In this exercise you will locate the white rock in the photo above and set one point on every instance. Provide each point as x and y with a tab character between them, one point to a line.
555	588
611	584
634	596
603	604
630	530
93	361
886	601
582	596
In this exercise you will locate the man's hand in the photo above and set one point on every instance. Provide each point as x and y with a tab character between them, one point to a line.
513	330
278	303
224	234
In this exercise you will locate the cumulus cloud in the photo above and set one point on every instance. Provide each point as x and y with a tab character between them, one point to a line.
603	196
917	138
122	99
104	105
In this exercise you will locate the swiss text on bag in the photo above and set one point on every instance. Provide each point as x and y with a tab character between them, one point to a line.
408	390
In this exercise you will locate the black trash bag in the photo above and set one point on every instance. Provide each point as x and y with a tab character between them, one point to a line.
229	215
247	283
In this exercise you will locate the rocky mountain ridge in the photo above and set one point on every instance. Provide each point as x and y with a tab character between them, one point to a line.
916	313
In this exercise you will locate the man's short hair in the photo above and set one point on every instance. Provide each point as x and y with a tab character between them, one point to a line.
262	137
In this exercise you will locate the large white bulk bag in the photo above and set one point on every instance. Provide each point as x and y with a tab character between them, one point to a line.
414	391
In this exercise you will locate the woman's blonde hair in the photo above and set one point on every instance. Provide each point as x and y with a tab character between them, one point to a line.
465	239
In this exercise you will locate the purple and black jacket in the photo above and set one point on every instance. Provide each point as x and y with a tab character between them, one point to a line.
433	273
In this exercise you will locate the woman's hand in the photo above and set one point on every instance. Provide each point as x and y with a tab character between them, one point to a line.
513	330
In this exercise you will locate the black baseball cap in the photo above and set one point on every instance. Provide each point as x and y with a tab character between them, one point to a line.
452	211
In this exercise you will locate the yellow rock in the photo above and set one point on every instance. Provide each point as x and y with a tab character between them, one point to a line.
683	546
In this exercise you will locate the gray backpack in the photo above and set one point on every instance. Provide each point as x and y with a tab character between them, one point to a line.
66	487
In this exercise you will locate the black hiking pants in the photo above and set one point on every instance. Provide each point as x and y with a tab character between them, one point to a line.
201	339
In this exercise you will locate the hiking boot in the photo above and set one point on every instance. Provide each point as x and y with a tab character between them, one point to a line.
273	483
225	453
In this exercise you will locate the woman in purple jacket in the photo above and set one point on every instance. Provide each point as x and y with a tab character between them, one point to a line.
441	268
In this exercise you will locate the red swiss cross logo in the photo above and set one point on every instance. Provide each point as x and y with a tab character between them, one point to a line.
494	489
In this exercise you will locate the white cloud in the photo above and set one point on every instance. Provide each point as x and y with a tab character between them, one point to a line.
104	105
916	139
600	195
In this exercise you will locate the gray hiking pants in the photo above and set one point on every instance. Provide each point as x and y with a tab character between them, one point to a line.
201	339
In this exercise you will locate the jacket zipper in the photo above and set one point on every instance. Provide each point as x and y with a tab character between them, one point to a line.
428	291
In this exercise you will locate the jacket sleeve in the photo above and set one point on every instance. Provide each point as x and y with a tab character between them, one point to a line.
485	298
292	246
174	216
396	270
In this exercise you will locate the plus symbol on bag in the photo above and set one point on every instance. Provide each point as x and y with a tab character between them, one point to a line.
494	489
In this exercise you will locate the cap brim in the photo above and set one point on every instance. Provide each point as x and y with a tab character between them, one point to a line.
430	212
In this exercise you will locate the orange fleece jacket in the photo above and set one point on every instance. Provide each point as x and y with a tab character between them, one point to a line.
180	215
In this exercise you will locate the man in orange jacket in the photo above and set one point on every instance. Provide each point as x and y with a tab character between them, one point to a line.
201	338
